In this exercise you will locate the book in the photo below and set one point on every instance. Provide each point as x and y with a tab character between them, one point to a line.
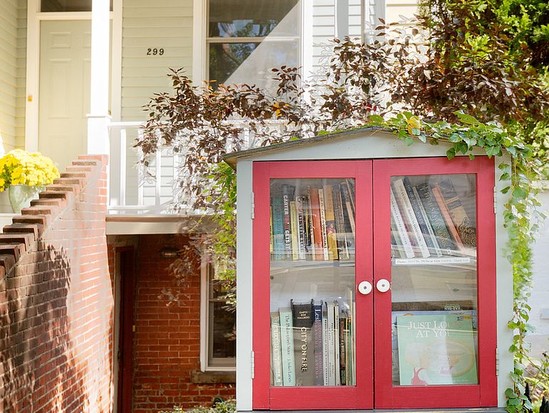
278	227
330	344
301	210
329	215
294	231
276	351
348	210
317	337
316	223
287	347
409	218
430	235
337	352
323	232
445	241
436	349
286	196
403	235
325	338
303	318
464	225
341	229
447	218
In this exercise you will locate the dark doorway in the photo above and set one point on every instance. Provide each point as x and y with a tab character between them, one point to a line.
126	260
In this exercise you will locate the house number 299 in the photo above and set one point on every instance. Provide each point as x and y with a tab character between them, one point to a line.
155	51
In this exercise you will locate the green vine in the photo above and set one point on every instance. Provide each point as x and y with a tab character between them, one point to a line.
524	173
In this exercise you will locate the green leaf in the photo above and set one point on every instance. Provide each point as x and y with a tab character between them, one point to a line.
519	193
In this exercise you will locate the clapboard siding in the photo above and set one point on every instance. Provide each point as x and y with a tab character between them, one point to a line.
396	10
8	72
165	24
21	74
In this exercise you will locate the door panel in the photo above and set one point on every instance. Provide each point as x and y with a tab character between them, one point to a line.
65	50
318	279
438	312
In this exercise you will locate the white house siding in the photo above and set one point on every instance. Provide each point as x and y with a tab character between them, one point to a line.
152	24
8	73
539	315
396	10
21	84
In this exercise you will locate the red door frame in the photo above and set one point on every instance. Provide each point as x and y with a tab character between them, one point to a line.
484	394
373	263
125	256
294	398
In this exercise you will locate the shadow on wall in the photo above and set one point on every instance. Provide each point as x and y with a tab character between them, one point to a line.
37	364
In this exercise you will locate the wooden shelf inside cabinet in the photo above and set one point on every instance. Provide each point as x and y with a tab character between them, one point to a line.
451	261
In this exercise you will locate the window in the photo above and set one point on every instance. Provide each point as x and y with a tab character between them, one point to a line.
66	5
245	39
218	341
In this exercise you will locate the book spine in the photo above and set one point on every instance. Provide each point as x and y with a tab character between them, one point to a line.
410	217
337	350
316	223
331	345
436	219
323	233
278	227
301	228
317	334
331	233
325	338
430	233
287	222
447	218
401	227
276	351
342	349
294	231
350	214
341	231
464	226
287	347
415	204
303	343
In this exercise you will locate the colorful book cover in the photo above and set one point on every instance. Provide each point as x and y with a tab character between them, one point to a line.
278	227
464	224
436	349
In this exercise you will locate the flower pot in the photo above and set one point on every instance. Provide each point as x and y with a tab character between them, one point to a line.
21	196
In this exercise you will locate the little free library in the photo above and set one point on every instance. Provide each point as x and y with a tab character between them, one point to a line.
371	275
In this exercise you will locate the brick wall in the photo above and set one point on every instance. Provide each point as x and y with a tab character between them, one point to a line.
167	337
56	299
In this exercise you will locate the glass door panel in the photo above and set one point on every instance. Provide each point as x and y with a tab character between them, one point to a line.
312	282
434	280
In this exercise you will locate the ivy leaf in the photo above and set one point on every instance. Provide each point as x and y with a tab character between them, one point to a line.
519	193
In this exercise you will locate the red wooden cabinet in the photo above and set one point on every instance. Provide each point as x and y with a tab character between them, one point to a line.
374	284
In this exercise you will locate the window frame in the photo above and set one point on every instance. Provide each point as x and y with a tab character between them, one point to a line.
202	40
206	364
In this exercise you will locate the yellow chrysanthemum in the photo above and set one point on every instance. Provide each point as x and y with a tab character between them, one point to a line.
19	167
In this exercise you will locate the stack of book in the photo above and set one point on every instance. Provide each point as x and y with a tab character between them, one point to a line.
312	344
429	221
315	222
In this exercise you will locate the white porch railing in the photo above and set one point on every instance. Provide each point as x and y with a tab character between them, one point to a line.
134	189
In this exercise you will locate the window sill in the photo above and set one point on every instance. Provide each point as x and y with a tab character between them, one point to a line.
213	377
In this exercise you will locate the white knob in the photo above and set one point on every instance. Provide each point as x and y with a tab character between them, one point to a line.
365	287
383	285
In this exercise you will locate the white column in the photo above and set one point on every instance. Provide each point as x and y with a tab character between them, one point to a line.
98	118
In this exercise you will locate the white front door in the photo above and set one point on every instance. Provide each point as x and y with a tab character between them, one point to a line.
65	49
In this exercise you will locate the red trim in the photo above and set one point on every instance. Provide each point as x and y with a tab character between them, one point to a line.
485	393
